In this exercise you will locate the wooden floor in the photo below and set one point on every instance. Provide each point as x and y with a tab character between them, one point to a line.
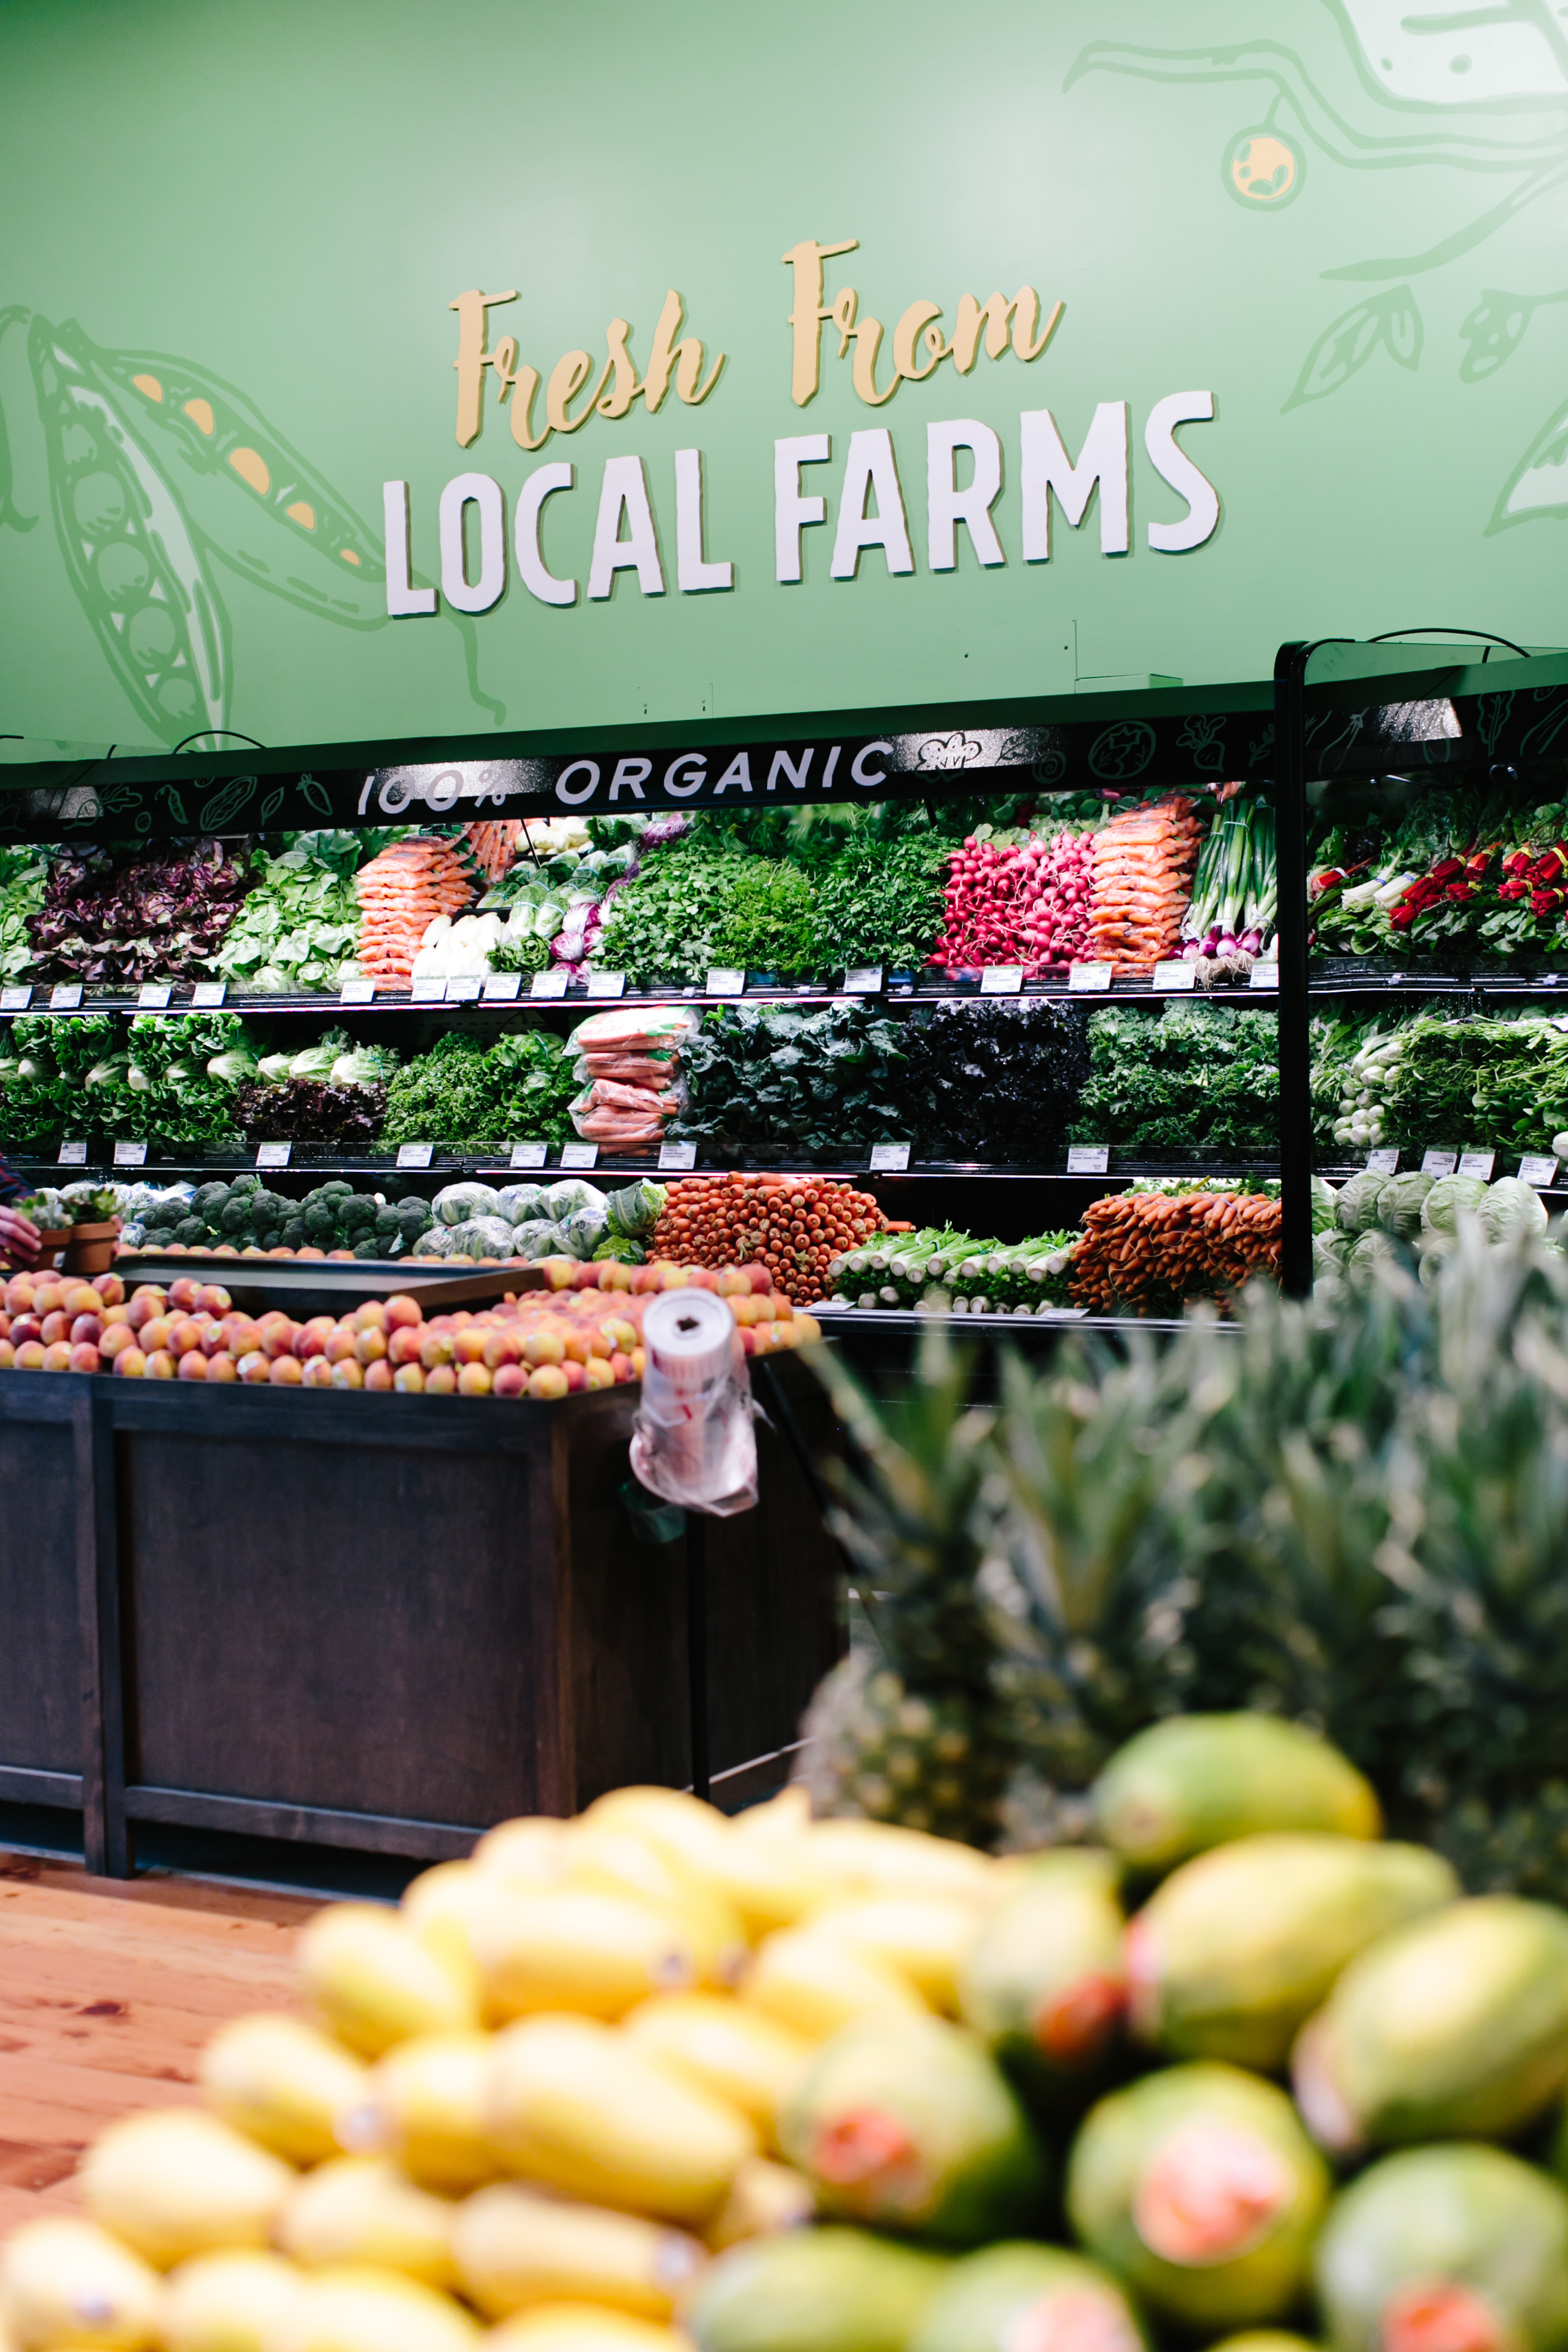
107	1992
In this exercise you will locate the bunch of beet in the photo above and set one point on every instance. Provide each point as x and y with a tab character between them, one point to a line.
1028	903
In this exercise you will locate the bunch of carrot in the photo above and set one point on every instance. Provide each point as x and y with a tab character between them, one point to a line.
794	1225
1149	1253
495	846
1144	862
402	891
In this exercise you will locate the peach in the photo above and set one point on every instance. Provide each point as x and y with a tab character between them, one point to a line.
285	1372
160	1365
19	1294
193	1365
80	1298
510	1380
731	1281
371	1344
743	1307
473	1380
30	1356
130	1364
277	1339
469	1347
576	1374
621	1365
644	1278
56	1326
599	1343
782	1307
402	1311
155	1333
409	1377
7	1355
312	1336
762	1308
348	1254
347	1373
117	1338
639	1363
48	1298
84	1357
404	1344
26	1327
144	1307
598	1375
373	1314
109	1288
749	1345
240	1334
436	1349
278	1251
317	1374
185	1293
215	1299
309	1251
441	1380
254	1367
559	1272
185	1338
340	1343
379	1374
57	1356
221	1367
806	1328
502	1347
545	1346
116	1311
702	1277
546	1380
226	1249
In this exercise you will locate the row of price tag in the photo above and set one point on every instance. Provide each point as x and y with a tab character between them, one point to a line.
153	996
1536	1169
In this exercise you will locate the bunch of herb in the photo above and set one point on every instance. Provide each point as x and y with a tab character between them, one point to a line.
769	923
461	1092
533	1079
994	1082
880	901
23	875
665	925
1500	1084
812	1088
1200	1080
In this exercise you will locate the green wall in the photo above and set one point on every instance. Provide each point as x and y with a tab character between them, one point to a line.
280	199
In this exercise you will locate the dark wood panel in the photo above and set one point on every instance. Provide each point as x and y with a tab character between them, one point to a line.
627	1624
40	1646
307	1824
331	1626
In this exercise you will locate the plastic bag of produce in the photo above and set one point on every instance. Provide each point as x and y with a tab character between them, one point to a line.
435	1242
584	1230
560	1200
455	1203
517	1202
482	1237
1400	1203
538	1238
1449	1196
1513	1211
636	1029
636	1210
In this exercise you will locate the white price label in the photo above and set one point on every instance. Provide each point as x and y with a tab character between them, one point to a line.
1089	979
207	994
131	1155
549	984
415	1155
1179	973
1437	1162
889	1159
677	1156
463	987
1001	980
1263	975
73	1155
357	991
607	983
1538	1169
154	995
15	999
529	1155
1088	1159
723	981
273	1155
65	996
1384	1162
428	988
1478	1164
503	987
579	1155
864	980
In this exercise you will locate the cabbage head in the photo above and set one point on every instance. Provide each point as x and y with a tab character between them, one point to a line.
1373	1249
1511	1210
1400	1203
1355	1205
538	1238
455	1203
560	1201
1451	1194
1323	1198
482	1237
1330	1252
435	1242
517	1202
637	1210
584	1230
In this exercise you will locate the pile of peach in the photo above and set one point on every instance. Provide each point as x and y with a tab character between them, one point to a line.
580	1333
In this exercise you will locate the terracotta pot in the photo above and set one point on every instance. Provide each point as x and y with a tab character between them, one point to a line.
89	1249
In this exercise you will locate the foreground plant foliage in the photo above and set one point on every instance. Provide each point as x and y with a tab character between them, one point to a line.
1356	1518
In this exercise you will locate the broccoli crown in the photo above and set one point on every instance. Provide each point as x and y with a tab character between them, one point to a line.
164	1216
293	1236
367	1249
336	1184
319	1222
411	1202
244	1184
270	1208
234	1218
208	1199
190	1229
356	1213
412	1221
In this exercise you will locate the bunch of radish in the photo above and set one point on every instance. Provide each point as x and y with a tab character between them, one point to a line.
1026	902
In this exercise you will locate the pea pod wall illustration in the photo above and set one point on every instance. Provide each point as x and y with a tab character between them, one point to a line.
156	472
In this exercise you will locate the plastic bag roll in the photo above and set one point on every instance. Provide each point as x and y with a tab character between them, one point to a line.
694	1443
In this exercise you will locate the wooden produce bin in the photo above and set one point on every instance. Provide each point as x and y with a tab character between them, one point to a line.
378	1622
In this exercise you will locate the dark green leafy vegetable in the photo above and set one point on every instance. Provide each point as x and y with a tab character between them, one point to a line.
880	902
810	1088
1195	1079
994	1082
461	1093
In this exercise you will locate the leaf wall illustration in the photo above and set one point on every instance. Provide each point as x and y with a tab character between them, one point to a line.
1391	322
1538	486
136	568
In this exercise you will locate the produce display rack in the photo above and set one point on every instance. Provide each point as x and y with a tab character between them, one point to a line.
244	1610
